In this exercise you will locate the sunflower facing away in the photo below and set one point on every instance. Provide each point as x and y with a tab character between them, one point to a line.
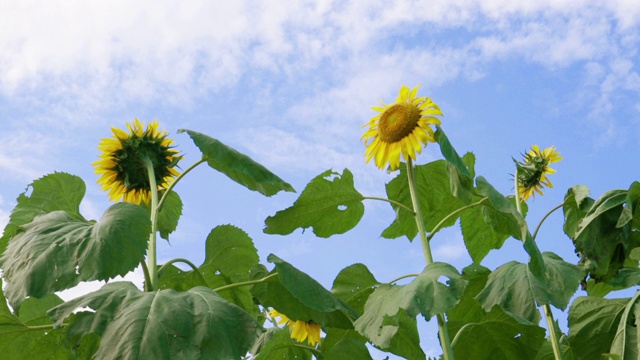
532	174
400	128
122	163
300	330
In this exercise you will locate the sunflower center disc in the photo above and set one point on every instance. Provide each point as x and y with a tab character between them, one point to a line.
398	121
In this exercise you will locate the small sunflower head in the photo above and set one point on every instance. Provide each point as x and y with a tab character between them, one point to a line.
401	128
300	330
532	173
124	158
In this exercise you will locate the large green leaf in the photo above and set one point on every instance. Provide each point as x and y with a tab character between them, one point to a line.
498	336
330	206
502	215
354	284
626	341
424	295
276	343
169	214
342	344
469	309
160	325
300	297
21	339
576	205
593	324
237	166
56	251
434	195
58	191
516	289
479	237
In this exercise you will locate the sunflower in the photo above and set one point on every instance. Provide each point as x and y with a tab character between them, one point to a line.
123	162
400	128
532	173
300	330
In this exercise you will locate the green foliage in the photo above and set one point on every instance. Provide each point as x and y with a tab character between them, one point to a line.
330	206
169	214
436	200
237	166
56	251
344	344
276	343
353	285
160	325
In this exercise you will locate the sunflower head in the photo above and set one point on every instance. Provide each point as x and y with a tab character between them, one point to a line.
400	128
123	161
532	173
300	330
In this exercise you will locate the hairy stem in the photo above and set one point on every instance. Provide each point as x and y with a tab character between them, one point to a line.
151	252
443	333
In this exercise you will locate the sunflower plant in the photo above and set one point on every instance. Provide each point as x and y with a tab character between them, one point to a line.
232	306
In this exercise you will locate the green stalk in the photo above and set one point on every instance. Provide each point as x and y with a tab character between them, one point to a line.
548	315
187	262
152	260
245	283
396	203
443	333
173	183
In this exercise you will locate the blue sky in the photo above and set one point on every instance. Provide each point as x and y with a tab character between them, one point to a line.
291	83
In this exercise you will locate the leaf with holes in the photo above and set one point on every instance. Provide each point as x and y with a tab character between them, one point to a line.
330	204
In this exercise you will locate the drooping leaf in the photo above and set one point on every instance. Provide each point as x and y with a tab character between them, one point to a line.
450	154
462	185
163	324
276	343
330	206
469	309
593	324
502	215
342	344
435	198
576	205
57	191
625	342
353	285
169	214
56	251
237	166
424	295
498	336
516	289
300	297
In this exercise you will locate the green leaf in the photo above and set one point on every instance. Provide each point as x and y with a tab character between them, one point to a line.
160	325
498	336
237	166
299	297
56	251
276	343
462	185
576	205
593	324
546	351
625	343
169	214
353	285
434	194
502	215
469	309
330	206
58	191
424	295
450	154
479	237
563	279
342	344
19	341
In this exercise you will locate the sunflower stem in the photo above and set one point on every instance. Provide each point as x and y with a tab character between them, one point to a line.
443	333
185	261
548	315
151	252
173	183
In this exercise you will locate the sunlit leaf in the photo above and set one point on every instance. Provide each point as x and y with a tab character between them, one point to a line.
56	251
424	295
237	166
329	204
625	342
300	297
498	336
57	191
354	284
593	324
434	194
160	325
